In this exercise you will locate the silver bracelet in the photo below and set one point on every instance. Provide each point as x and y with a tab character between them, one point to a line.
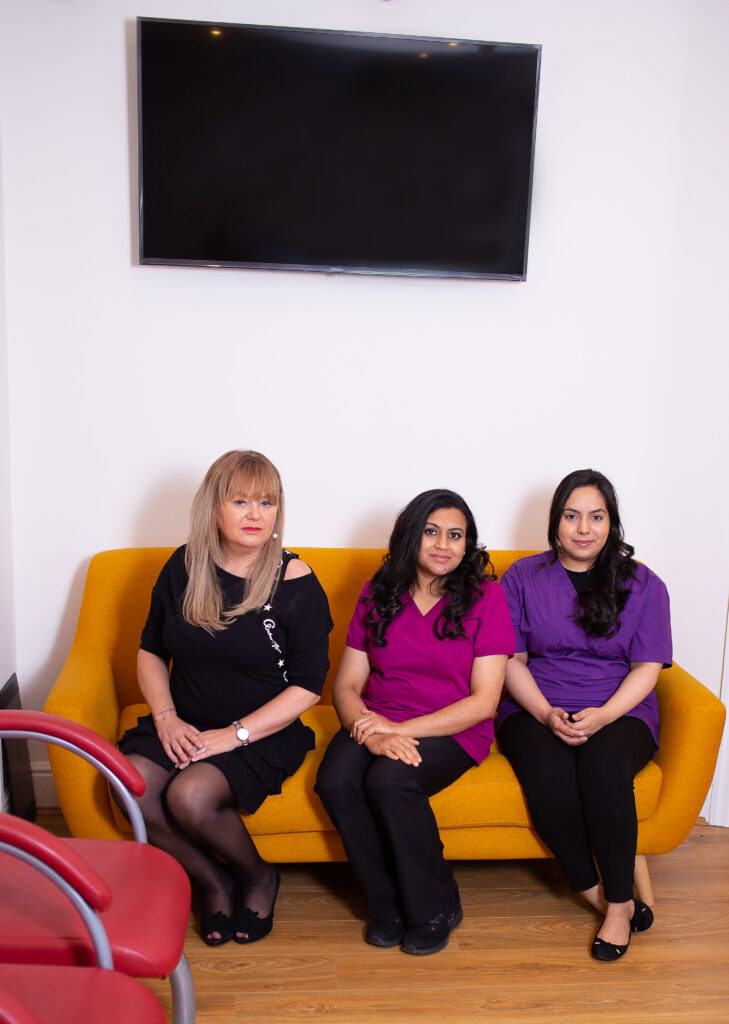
163	712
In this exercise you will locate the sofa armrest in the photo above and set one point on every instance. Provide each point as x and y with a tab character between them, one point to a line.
84	692
691	726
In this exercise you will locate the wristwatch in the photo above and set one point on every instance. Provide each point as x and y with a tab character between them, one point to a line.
242	733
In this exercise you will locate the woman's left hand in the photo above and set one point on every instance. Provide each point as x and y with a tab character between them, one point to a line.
591	720
369	723
214	741
394	746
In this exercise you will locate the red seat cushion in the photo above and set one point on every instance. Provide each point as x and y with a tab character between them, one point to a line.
77	995
146	922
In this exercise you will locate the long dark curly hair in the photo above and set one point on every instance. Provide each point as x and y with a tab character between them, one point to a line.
599	605
398	572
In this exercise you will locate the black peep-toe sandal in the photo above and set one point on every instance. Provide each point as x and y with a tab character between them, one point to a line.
218	922
251	925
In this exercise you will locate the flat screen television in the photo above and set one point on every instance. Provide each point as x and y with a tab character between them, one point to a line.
301	149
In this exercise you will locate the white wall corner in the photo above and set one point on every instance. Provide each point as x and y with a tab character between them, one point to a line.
718	799
45	789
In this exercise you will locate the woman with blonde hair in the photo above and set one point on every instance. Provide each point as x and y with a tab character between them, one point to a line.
245	627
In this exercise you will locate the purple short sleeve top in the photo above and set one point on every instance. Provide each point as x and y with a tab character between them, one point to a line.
416	673
573	670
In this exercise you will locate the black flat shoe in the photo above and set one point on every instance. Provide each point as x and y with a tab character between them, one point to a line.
381	932
608	951
432	936
642	917
218	922
250	924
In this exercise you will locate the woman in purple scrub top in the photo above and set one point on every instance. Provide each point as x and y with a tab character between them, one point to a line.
417	688
580	716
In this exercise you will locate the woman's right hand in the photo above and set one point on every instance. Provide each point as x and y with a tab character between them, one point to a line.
557	719
179	739
368	723
394	746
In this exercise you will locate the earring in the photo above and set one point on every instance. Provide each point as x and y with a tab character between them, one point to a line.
275	536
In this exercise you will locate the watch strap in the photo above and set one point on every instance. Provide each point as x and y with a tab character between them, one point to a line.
238	727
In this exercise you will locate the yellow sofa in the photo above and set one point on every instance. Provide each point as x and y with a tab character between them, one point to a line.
482	816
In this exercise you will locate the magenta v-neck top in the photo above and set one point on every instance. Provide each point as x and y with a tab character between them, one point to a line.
416	673
574	670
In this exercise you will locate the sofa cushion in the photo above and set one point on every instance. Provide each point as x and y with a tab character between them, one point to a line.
485	796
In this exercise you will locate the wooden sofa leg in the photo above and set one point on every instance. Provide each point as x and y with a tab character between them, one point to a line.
643	880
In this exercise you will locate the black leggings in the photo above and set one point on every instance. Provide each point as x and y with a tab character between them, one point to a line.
581	799
381	809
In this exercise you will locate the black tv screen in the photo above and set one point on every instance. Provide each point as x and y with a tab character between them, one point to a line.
300	149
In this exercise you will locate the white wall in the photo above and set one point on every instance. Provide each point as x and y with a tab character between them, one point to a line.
719	797
7	604
126	381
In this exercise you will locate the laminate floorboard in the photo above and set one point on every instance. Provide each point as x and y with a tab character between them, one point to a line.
521	955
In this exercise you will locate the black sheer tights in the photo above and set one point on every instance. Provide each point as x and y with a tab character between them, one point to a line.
191	813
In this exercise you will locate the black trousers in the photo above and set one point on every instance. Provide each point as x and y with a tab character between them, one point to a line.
381	809
581	799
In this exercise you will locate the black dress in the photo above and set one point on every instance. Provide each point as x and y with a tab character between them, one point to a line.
217	678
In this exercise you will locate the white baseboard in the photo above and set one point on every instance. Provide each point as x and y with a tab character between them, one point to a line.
45	790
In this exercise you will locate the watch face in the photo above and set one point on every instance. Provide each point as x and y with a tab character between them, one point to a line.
242	734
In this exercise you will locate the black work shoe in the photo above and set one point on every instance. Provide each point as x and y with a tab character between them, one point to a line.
432	936
642	917
380	932
608	951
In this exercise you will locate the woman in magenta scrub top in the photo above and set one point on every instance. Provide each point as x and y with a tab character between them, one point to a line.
580	716
417	688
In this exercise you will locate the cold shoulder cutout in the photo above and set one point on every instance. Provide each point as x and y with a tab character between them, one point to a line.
295	569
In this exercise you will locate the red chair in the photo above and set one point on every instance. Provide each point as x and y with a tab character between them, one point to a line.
148	891
33	994
74	995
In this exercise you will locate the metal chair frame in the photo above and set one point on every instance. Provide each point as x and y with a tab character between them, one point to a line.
47	728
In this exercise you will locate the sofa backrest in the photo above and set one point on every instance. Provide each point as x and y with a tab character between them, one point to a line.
119	584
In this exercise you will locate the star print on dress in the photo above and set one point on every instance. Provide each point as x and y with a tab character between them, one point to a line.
280	664
267	607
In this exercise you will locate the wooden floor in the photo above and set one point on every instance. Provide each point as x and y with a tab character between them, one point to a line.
521	955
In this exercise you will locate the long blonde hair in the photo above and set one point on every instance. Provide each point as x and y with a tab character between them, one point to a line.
237	472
